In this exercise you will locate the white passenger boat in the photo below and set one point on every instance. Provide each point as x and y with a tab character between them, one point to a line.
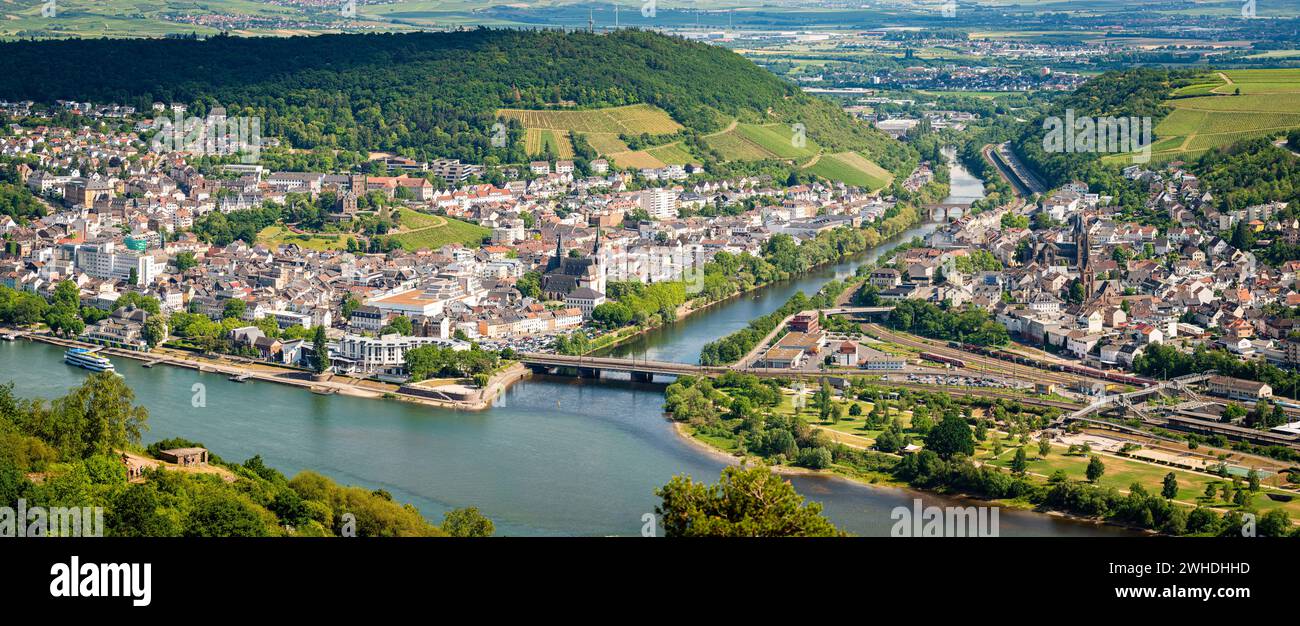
86	358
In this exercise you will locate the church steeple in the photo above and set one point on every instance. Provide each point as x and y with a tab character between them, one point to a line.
554	263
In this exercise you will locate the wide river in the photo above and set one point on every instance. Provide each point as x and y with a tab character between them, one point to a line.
555	456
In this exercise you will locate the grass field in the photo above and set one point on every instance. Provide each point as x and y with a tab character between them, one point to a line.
1121	473
421	230
414	220
279	235
1227	107
852	168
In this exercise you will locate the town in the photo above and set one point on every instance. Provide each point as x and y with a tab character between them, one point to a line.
822	263
127	224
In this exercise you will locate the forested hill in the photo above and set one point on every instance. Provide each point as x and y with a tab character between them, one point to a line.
436	93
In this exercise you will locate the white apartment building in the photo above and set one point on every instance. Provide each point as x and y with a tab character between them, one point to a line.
285	319
387	354
661	204
107	260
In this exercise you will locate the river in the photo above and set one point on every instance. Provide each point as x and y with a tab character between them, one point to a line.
963	187
555	456
682	342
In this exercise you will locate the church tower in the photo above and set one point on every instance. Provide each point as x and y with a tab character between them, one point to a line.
554	263
598	264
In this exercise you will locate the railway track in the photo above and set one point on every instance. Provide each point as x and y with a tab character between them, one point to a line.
1024	372
984	393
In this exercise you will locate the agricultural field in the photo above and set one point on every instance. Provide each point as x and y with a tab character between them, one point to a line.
1276	54
672	153
739	142
280	235
420	230
605	143
735	147
852	168
1225	108
601	127
779	140
538	141
140	18
635	159
751	142
631	120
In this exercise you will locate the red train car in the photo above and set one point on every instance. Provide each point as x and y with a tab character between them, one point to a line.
939	358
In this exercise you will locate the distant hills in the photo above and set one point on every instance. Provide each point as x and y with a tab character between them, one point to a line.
433	95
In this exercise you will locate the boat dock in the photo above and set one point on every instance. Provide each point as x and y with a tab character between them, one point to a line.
239	378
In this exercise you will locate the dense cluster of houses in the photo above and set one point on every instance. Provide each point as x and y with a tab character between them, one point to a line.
1084	282
1097	288
120	218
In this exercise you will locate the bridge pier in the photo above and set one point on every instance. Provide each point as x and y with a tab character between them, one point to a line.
588	372
643	377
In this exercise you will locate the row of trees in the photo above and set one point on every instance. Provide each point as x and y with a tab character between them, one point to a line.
743	410
437	361
967	325
66	316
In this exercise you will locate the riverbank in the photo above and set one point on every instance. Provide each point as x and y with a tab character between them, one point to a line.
879	481
476	400
553	456
690	309
686	310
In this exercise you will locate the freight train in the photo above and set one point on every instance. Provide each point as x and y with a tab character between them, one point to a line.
1082	370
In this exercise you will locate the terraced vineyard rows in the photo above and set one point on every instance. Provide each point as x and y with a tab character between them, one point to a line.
738	142
600	127
1227	107
852	168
